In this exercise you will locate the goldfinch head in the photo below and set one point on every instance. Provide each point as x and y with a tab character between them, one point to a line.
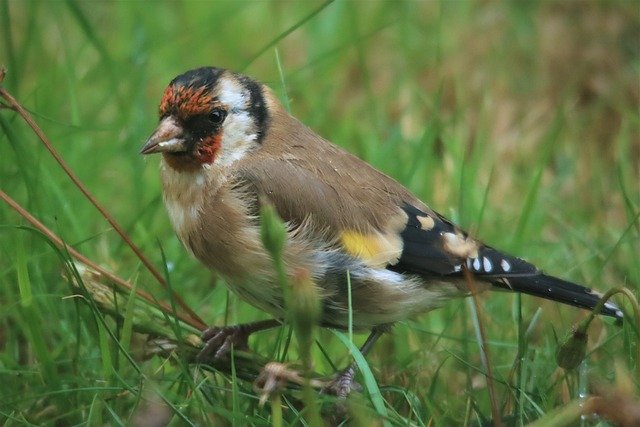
208	116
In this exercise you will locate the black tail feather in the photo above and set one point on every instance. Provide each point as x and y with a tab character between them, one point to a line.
555	289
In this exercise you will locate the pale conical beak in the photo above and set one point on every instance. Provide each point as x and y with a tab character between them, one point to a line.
167	138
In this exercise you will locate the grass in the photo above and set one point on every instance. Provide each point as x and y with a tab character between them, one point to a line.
518	120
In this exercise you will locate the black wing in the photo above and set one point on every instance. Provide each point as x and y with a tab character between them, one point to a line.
427	253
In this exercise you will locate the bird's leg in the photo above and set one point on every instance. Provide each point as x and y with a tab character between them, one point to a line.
219	339
344	381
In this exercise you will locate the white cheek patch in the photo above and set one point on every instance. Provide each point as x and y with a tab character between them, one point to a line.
232	94
239	125
239	136
239	130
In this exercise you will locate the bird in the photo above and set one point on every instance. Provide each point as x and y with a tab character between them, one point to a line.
228	146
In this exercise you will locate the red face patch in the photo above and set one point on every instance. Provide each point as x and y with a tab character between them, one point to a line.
185	101
205	152
208	148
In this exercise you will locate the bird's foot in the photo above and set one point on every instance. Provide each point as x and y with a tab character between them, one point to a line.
343	383
219	340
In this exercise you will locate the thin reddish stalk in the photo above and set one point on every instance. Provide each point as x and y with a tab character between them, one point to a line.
14	104
77	255
495	412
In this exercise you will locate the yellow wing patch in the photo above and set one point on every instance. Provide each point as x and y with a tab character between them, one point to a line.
375	249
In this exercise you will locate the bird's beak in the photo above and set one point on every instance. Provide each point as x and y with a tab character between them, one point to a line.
167	138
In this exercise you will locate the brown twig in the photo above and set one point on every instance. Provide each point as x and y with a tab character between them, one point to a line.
14	104
77	255
495	412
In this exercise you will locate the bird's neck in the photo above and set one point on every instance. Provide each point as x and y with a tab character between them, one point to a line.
185	191
181	162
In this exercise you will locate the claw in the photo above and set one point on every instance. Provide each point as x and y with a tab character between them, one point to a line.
219	340
343	383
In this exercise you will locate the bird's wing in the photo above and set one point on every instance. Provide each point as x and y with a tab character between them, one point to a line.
310	180
374	218
425	250
346	201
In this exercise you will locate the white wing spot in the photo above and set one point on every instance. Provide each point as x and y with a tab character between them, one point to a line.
476	264
486	263
505	265
612	306
457	268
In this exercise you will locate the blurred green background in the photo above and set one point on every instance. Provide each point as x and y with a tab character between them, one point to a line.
519	120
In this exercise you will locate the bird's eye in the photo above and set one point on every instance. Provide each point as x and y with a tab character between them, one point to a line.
217	116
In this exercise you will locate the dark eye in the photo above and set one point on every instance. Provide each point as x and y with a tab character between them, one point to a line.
217	116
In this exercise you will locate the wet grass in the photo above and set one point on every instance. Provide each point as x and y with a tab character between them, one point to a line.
517	120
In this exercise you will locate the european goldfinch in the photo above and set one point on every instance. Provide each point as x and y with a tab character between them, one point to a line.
227	145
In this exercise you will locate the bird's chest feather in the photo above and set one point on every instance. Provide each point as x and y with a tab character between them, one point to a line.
184	196
211	220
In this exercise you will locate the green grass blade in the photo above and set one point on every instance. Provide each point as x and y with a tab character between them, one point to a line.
370	382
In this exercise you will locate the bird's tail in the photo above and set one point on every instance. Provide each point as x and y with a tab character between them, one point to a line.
552	288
